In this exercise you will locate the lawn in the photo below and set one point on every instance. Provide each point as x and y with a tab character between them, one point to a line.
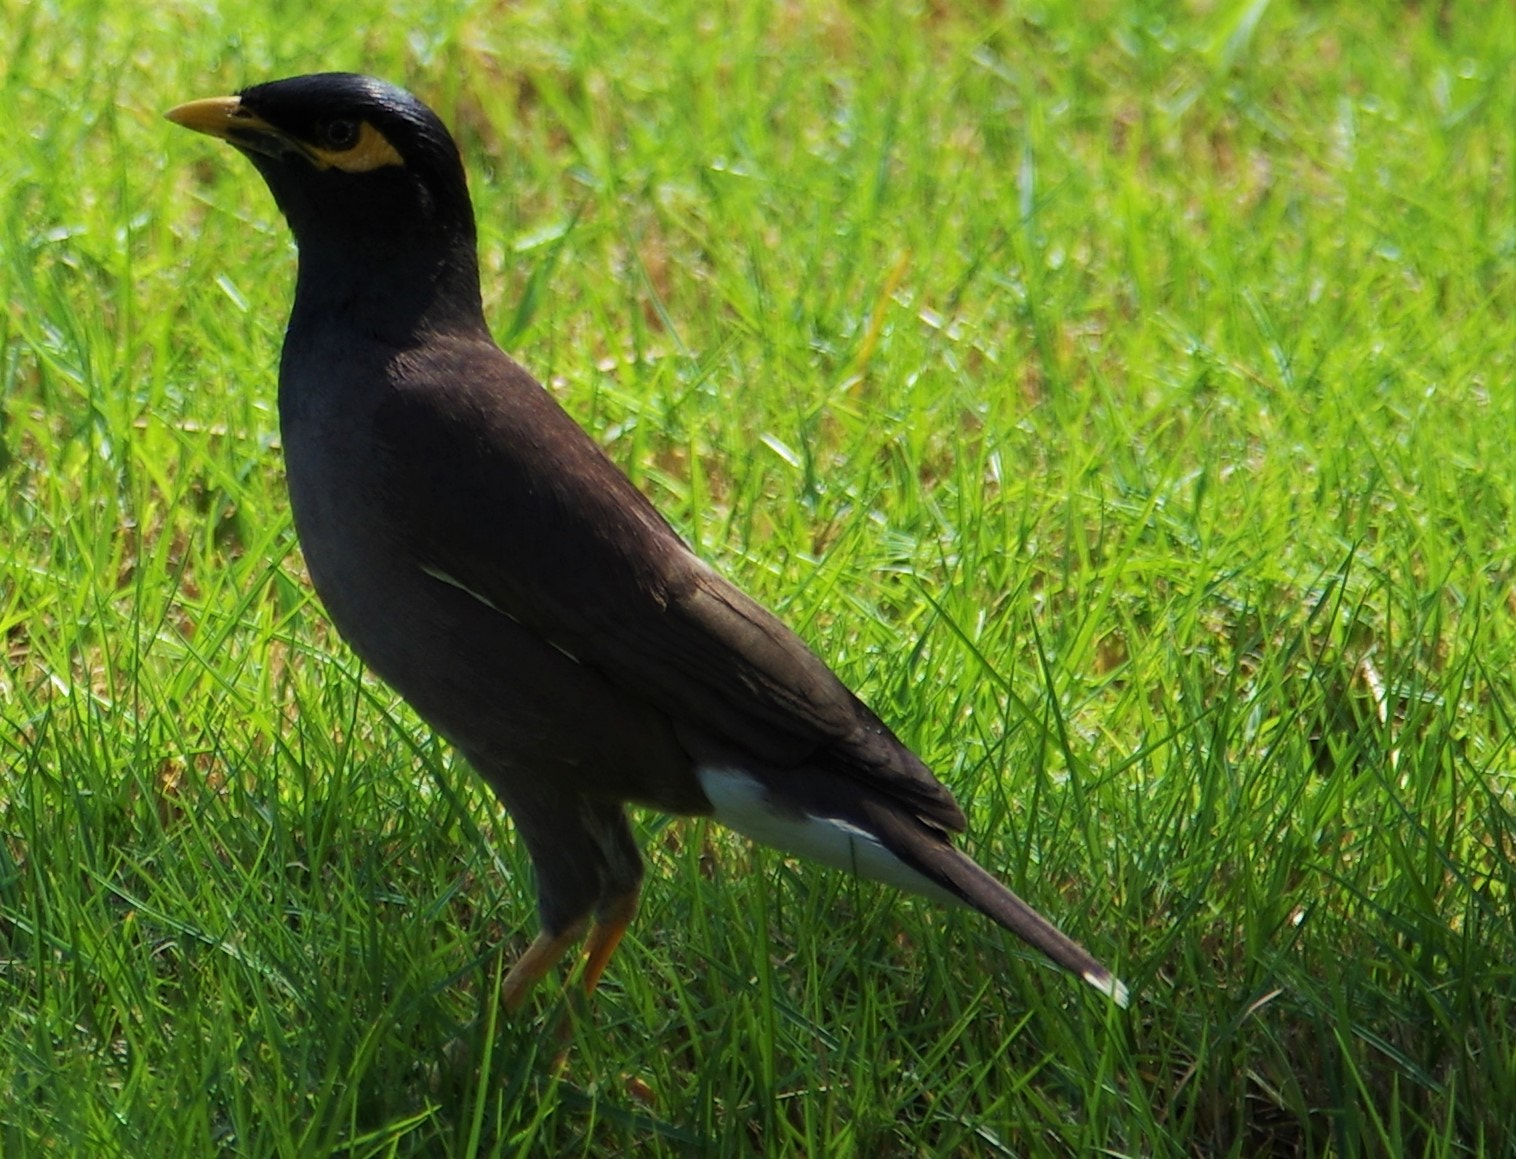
1121	396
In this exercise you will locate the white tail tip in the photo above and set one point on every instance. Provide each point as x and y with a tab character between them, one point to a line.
1109	985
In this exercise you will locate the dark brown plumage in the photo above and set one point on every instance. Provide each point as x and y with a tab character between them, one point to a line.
481	554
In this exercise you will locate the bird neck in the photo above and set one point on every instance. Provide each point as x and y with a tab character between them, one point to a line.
392	293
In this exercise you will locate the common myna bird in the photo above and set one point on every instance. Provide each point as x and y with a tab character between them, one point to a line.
482	554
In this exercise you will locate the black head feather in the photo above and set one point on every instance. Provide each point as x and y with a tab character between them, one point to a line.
373	188
315	119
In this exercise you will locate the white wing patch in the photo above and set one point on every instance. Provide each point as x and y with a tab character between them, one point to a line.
740	802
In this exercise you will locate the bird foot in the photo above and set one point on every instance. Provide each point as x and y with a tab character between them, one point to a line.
546	950
540	957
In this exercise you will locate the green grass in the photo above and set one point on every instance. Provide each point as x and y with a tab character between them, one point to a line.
1123	397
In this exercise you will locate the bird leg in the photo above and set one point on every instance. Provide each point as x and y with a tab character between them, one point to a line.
547	949
540	957
605	935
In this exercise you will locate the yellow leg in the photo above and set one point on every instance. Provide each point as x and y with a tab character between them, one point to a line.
540	957
605	936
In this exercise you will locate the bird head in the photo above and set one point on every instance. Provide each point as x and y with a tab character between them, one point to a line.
369	180
343	152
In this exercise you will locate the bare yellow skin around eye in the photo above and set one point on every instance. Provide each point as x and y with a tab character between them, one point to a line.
371	151
225	117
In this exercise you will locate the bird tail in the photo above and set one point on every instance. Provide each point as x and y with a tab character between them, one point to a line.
966	880
827	819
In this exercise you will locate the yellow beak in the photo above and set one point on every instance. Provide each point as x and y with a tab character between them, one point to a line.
222	117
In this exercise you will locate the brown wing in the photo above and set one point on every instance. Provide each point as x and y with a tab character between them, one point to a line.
499	490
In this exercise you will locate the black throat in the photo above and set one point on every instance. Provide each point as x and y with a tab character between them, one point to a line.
389	290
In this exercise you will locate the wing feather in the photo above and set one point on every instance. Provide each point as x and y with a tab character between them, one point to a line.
574	551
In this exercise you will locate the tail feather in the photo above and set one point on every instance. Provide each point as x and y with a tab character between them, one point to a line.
970	884
977	888
828	820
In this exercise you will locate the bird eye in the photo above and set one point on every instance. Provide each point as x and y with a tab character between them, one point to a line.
339	134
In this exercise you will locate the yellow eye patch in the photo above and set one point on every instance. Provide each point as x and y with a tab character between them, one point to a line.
225	117
371	151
